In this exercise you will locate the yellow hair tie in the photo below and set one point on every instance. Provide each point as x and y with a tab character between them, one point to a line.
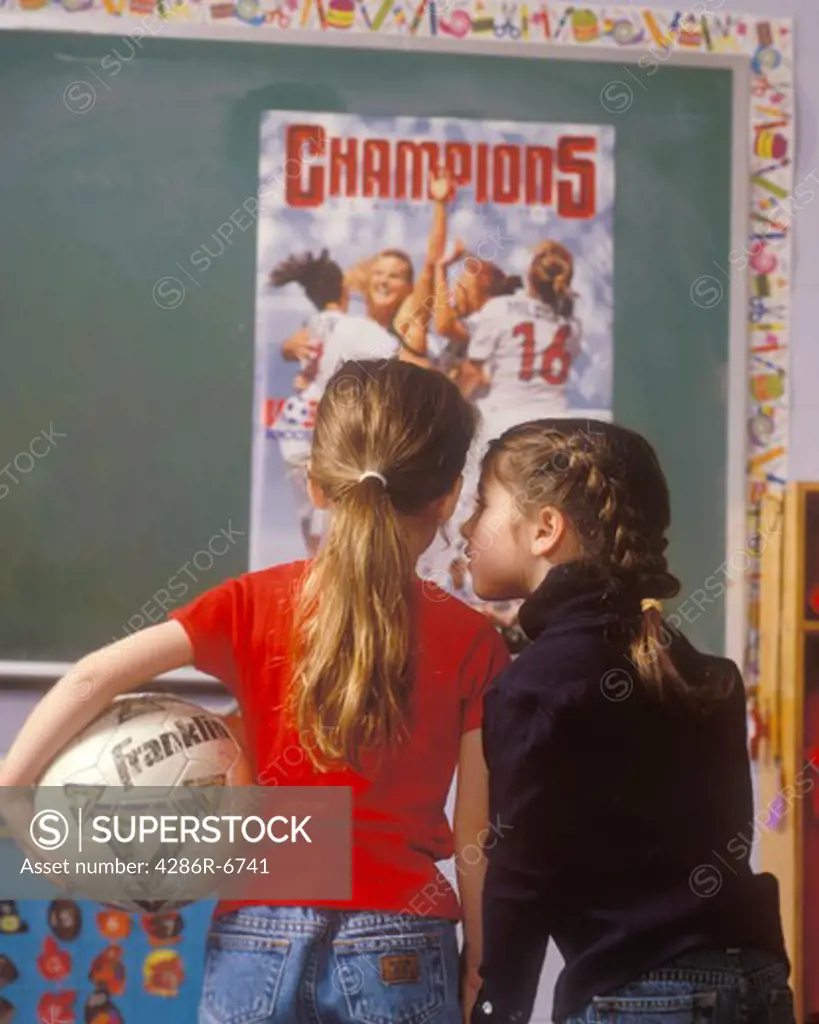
650	603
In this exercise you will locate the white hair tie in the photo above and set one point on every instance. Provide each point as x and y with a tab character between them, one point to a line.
373	473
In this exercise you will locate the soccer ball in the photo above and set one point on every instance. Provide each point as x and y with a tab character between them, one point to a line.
151	740
296	419
146	754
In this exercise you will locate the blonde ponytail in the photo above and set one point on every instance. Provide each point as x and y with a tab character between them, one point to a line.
550	276
356	630
353	672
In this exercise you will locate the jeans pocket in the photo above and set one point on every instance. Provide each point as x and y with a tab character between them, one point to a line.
242	977
673	1008
781	1008
391	979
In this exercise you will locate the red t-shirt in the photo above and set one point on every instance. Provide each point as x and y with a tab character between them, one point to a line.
241	633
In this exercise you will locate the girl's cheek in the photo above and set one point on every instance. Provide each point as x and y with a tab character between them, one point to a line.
484	537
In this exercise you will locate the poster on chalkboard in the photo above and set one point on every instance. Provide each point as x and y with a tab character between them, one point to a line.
483	248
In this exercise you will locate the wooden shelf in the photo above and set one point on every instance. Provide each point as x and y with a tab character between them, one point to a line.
781	702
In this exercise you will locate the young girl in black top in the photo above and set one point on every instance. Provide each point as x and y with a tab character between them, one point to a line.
619	770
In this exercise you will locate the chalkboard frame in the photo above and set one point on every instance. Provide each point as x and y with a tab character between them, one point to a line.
738	64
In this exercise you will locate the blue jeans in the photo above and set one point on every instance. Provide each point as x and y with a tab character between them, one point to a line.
304	965
717	986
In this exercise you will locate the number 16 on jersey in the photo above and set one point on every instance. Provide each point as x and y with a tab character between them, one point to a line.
553	362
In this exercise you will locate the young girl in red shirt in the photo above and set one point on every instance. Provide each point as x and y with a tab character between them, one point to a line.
378	679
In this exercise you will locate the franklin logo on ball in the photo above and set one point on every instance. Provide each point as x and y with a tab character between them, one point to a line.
131	760
48	830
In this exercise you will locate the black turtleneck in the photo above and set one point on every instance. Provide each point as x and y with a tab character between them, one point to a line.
624	823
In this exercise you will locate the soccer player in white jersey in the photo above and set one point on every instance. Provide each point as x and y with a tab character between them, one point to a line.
397	298
522	347
348	338
330	337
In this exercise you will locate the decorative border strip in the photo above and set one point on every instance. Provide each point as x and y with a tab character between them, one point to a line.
776	199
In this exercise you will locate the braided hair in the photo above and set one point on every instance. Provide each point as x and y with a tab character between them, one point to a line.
608	482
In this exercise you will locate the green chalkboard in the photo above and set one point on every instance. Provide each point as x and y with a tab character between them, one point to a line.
98	204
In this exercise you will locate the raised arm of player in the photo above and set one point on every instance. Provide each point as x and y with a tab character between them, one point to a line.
447	321
415	314
85	692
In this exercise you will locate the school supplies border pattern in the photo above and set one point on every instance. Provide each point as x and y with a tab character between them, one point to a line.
704	28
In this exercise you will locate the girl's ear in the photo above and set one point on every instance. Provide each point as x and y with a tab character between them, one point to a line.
552	535
315	492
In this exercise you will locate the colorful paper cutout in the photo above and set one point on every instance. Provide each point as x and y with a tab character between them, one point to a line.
8	971
99	1009
65	919
163	929
107	971
163	973
114	924
10	921
53	962
57	1008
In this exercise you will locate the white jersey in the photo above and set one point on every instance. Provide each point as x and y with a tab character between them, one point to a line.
341	337
528	351
337	337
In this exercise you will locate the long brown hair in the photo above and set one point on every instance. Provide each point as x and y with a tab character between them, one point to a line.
499	282
321	278
608	481
353	671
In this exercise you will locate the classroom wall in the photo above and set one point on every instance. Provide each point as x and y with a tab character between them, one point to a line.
804	385
804	379
14	707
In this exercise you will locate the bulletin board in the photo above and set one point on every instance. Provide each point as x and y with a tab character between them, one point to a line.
65	960
136	133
